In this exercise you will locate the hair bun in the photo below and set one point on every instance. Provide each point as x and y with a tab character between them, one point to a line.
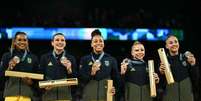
95	32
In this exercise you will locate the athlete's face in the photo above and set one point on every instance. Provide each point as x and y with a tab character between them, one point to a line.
138	51
21	42
97	44
172	44
59	42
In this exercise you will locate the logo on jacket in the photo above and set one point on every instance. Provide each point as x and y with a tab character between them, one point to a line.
29	60
80	66
90	63
184	63
132	69
1	63
50	64
107	63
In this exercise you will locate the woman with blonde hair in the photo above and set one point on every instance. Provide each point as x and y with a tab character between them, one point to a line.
136	76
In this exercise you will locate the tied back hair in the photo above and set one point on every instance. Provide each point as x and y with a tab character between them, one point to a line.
170	35
136	42
13	47
53	37
57	34
95	32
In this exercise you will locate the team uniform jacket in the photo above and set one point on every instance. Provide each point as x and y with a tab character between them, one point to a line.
94	87
53	69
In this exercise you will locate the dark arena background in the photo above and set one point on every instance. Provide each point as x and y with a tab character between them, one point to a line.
119	14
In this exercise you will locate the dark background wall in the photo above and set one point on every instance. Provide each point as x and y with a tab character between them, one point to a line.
105	13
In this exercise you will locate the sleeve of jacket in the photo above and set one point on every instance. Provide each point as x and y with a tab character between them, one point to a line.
41	70
42	64
35	85
73	75
84	70
36	64
195	76
161	86
74	67
115	74
4	64
2	70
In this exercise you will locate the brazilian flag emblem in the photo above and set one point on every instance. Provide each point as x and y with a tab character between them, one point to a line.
29	60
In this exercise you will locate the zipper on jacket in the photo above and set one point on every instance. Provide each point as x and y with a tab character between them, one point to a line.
98	92
20	86
140	93
179	90
57	96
